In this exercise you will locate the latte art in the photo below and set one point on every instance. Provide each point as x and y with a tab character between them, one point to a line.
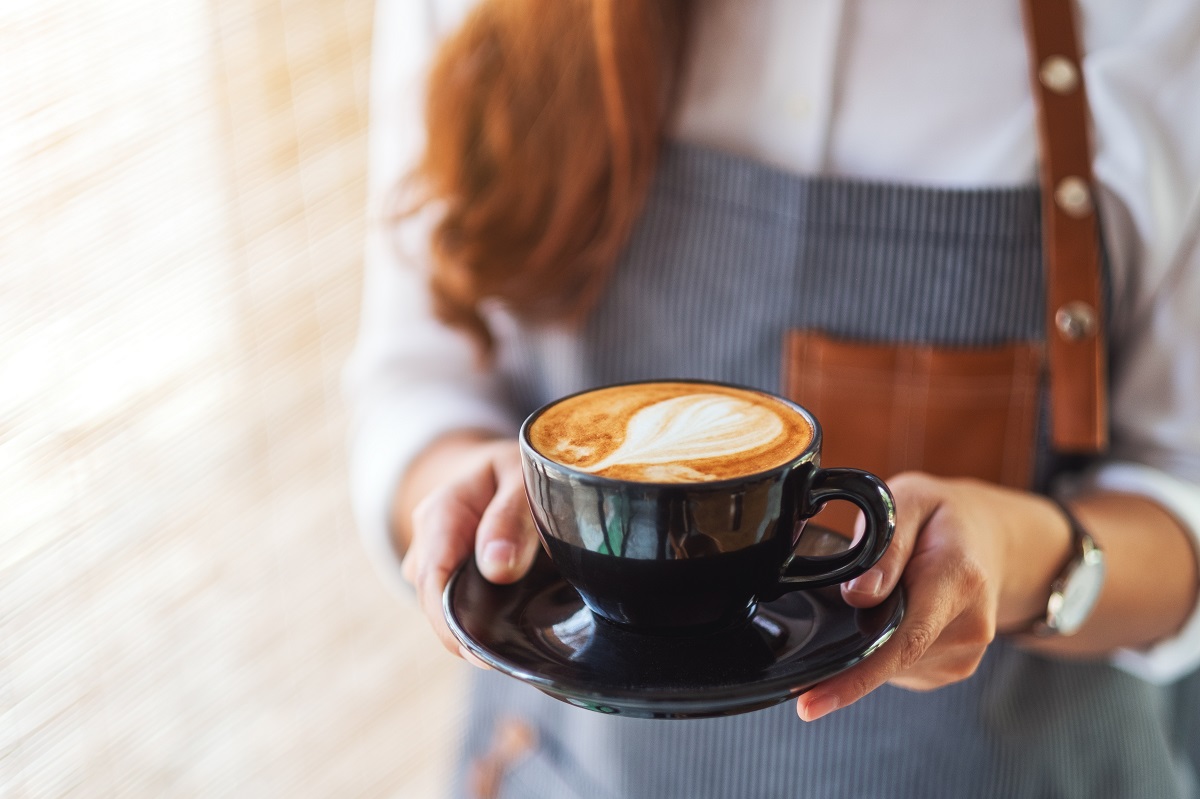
671	432
692	428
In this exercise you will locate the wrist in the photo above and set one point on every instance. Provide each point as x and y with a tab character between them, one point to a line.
1076	589
1038	547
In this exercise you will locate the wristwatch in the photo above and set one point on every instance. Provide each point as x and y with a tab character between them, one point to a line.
1074	592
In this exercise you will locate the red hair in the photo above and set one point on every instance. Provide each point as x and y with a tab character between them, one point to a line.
544	122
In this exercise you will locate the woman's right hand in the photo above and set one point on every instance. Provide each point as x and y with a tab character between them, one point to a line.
467	495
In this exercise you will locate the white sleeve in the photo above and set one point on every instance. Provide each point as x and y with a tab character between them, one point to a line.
1146	104
1167	660
409	379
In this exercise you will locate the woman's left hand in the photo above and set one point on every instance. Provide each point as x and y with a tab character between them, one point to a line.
973	558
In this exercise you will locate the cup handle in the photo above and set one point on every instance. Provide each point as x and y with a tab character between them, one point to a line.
870	494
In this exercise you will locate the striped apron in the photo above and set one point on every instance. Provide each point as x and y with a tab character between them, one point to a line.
728	259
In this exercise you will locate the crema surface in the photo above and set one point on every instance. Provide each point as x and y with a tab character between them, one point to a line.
671	432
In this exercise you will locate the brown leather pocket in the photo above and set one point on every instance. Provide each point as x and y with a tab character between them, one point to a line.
954	412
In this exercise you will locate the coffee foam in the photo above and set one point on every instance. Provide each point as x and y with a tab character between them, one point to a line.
671	432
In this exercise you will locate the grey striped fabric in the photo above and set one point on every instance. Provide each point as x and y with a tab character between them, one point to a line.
729	256
730	253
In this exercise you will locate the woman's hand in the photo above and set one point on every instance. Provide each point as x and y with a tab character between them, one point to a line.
473	500
973	558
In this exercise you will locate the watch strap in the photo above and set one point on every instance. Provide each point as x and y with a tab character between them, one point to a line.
1082	547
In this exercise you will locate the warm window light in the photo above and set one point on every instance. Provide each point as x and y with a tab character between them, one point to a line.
185	609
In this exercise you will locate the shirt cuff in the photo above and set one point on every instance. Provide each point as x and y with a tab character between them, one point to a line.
1174	657
383	446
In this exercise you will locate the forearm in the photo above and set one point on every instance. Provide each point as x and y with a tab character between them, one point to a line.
1151	583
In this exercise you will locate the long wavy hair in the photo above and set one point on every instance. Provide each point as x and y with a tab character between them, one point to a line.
544	120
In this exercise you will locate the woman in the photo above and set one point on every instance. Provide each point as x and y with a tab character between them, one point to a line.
747	191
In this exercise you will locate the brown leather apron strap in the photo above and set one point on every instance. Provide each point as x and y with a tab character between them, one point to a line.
1075	341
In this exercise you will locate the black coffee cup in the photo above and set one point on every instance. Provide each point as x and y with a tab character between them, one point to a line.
695	555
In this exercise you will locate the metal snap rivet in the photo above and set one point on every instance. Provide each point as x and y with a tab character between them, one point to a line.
1059	74
1075	320
1073	196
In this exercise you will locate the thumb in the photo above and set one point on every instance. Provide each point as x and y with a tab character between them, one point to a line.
506	541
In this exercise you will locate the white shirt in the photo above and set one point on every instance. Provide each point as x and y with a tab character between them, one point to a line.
931	92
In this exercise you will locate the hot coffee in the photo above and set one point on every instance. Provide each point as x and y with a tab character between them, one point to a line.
671	432
675	506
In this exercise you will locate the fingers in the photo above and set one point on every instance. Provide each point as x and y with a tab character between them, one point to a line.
929	612
482	510
444	525
506	542
951	609
916	502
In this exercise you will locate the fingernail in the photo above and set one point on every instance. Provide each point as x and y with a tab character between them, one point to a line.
868	583
820	705
499	555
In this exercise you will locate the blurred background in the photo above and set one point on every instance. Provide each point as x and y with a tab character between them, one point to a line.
185	609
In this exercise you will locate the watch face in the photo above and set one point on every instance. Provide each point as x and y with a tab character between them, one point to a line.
1080	593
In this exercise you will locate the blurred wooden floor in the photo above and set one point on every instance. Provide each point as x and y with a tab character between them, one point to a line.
185	610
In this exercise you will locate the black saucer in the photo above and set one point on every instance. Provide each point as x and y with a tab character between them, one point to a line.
539	631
